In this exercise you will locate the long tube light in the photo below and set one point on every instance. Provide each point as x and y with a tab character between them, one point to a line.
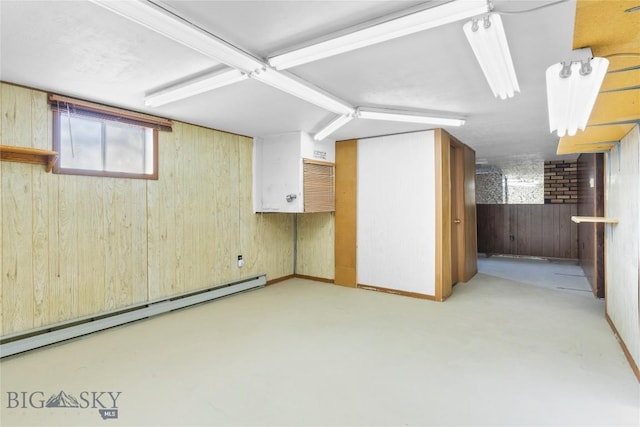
409	24
194	87
171	26
489	43
297	87
332	127
406	116
572	89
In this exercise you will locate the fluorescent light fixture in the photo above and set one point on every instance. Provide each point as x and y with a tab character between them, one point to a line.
572	89
194	87
332	127
393	28
175	28
489	43
299	88
406	116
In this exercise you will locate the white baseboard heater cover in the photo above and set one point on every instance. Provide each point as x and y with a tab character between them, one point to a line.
33	339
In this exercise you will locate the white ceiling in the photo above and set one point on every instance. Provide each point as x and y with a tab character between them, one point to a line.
79	49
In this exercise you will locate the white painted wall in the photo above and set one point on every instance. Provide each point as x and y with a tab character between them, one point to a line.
324	151
396	212
278	169
622	248
277	172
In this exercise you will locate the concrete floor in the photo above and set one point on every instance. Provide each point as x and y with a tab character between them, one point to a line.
499	352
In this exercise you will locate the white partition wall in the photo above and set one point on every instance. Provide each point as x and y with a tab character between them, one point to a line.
622	246
396	212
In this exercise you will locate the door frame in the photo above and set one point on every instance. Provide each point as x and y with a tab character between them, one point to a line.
464	163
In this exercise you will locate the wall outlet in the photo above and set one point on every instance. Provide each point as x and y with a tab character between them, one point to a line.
240	261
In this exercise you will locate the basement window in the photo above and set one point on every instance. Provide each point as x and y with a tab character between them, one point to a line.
96	140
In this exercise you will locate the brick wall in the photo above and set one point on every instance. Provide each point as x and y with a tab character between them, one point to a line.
561	181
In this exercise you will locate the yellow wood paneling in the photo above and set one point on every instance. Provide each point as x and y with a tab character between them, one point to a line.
64	302
161	218
594	138
17	214
605	26
41	210
616	107
226	208
346	213
622	63
622	80
315	245
1	222
92	238
608	30
79	245
443	214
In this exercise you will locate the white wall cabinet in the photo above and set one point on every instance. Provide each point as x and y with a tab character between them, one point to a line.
278	169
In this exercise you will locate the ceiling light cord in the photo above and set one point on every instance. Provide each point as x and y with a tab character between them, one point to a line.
518	12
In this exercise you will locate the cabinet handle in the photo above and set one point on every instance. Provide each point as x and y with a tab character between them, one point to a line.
457	221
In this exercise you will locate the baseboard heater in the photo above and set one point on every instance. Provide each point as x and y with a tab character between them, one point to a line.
35	338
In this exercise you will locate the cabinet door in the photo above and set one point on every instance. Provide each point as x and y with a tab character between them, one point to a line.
319	186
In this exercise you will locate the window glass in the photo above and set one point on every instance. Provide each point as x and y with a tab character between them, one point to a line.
80	143
89	145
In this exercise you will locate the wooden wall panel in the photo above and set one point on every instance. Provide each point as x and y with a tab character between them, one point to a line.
226	215
315	245
17	215
80	245
92	238
346	213
535	223
275	231
537	230
18	261
206	192
41	138
591	235
64	302
470	216
1	216
161	218
443	215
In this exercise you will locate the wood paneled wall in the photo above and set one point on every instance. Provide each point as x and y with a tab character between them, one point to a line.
315	245
346	213
591	235
470	216
74	245
444	285
464	168
532	230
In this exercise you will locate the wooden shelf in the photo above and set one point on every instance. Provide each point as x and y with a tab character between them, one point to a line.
579	219
28	155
